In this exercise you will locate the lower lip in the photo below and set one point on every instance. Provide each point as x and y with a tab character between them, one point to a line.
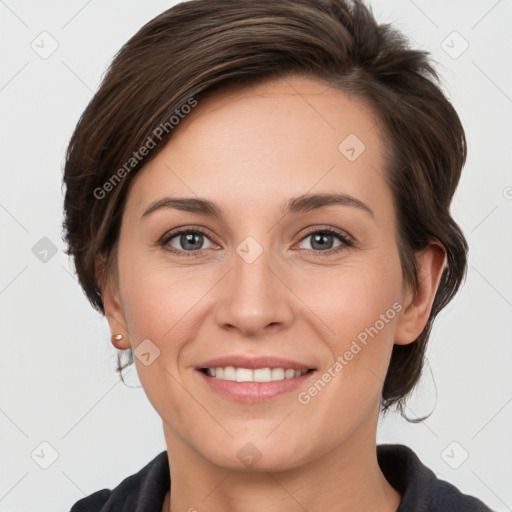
253	391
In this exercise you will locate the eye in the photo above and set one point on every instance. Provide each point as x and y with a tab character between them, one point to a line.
324	240
187	242
190	242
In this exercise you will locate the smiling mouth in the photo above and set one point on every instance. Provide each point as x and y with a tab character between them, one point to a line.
253	375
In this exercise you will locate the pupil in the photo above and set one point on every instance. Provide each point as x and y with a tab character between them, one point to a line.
318	238
188	240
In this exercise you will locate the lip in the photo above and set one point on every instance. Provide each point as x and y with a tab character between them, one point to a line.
242	361
251	392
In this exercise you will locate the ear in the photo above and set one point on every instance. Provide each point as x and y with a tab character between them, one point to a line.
418	304
111	303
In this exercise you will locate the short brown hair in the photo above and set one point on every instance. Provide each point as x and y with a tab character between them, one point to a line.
199	46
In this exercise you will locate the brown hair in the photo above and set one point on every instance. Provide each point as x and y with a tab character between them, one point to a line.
199	46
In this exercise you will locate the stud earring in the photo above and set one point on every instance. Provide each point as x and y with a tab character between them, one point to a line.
117	337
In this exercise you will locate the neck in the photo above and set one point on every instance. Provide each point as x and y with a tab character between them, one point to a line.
346	478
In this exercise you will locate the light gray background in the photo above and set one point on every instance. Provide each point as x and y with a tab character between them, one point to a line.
58	383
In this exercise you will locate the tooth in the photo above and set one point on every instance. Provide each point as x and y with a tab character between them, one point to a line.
250	375
243	375
229	373
277	374
262	375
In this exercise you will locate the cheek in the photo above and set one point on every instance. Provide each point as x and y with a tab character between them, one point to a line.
158	299
358	308
351	298
158	306
361	314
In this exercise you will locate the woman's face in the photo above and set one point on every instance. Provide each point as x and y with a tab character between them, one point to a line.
263	286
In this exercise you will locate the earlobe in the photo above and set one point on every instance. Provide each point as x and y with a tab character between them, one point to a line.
118	341
414	316
112	305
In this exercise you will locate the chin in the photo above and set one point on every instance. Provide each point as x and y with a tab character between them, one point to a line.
257	453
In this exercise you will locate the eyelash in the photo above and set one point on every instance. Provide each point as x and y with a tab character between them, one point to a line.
344	238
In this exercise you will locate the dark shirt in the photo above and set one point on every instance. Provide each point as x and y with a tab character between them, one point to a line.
421	490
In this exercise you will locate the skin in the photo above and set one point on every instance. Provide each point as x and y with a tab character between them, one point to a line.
250	150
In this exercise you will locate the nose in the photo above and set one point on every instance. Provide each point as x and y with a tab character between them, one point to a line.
254	297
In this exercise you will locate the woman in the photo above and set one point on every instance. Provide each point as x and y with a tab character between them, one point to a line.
258	201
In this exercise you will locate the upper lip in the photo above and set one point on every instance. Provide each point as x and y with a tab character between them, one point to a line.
241	361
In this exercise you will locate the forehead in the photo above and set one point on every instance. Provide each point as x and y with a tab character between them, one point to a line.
294	134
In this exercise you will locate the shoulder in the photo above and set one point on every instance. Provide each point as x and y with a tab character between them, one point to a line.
419	486
146	489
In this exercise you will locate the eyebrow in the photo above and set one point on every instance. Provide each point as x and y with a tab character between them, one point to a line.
303	203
